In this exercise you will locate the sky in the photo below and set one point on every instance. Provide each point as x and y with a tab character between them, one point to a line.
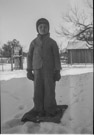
18	18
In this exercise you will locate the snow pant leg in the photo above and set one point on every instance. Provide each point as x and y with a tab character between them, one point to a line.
38	90
49	99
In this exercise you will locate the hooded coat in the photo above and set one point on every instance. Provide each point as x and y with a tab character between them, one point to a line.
43	58
43	53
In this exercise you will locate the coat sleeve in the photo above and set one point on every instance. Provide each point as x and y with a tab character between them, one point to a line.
30	56
56	57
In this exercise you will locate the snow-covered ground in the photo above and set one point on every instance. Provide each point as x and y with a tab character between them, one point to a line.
74	89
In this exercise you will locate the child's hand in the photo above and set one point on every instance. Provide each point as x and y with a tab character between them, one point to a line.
30	75
57	75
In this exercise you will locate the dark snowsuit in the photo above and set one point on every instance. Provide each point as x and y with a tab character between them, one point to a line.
43	59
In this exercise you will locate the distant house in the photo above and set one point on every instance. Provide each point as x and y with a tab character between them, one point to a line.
79	52
63	55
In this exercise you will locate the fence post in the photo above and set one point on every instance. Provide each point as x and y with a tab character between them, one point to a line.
2	60
21	59
71	56
11	59
2	64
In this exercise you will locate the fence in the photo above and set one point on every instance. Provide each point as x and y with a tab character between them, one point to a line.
6	65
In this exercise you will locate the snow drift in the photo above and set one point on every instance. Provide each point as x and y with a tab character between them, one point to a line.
75	90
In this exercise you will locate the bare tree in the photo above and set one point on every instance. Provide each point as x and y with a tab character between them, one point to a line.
82	28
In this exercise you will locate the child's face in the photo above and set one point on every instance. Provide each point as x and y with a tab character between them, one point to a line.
43	29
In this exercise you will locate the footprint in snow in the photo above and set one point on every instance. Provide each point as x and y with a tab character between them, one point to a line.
11	123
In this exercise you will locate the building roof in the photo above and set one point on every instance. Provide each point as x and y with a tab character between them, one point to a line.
77	45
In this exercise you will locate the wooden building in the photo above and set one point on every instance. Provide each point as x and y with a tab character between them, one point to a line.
79	52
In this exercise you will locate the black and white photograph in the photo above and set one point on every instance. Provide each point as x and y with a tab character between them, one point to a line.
46	66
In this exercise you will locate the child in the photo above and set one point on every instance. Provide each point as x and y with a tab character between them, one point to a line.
43	59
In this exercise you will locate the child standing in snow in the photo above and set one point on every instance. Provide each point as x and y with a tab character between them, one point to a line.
43	67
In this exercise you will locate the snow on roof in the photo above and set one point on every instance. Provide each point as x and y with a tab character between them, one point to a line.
77	45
